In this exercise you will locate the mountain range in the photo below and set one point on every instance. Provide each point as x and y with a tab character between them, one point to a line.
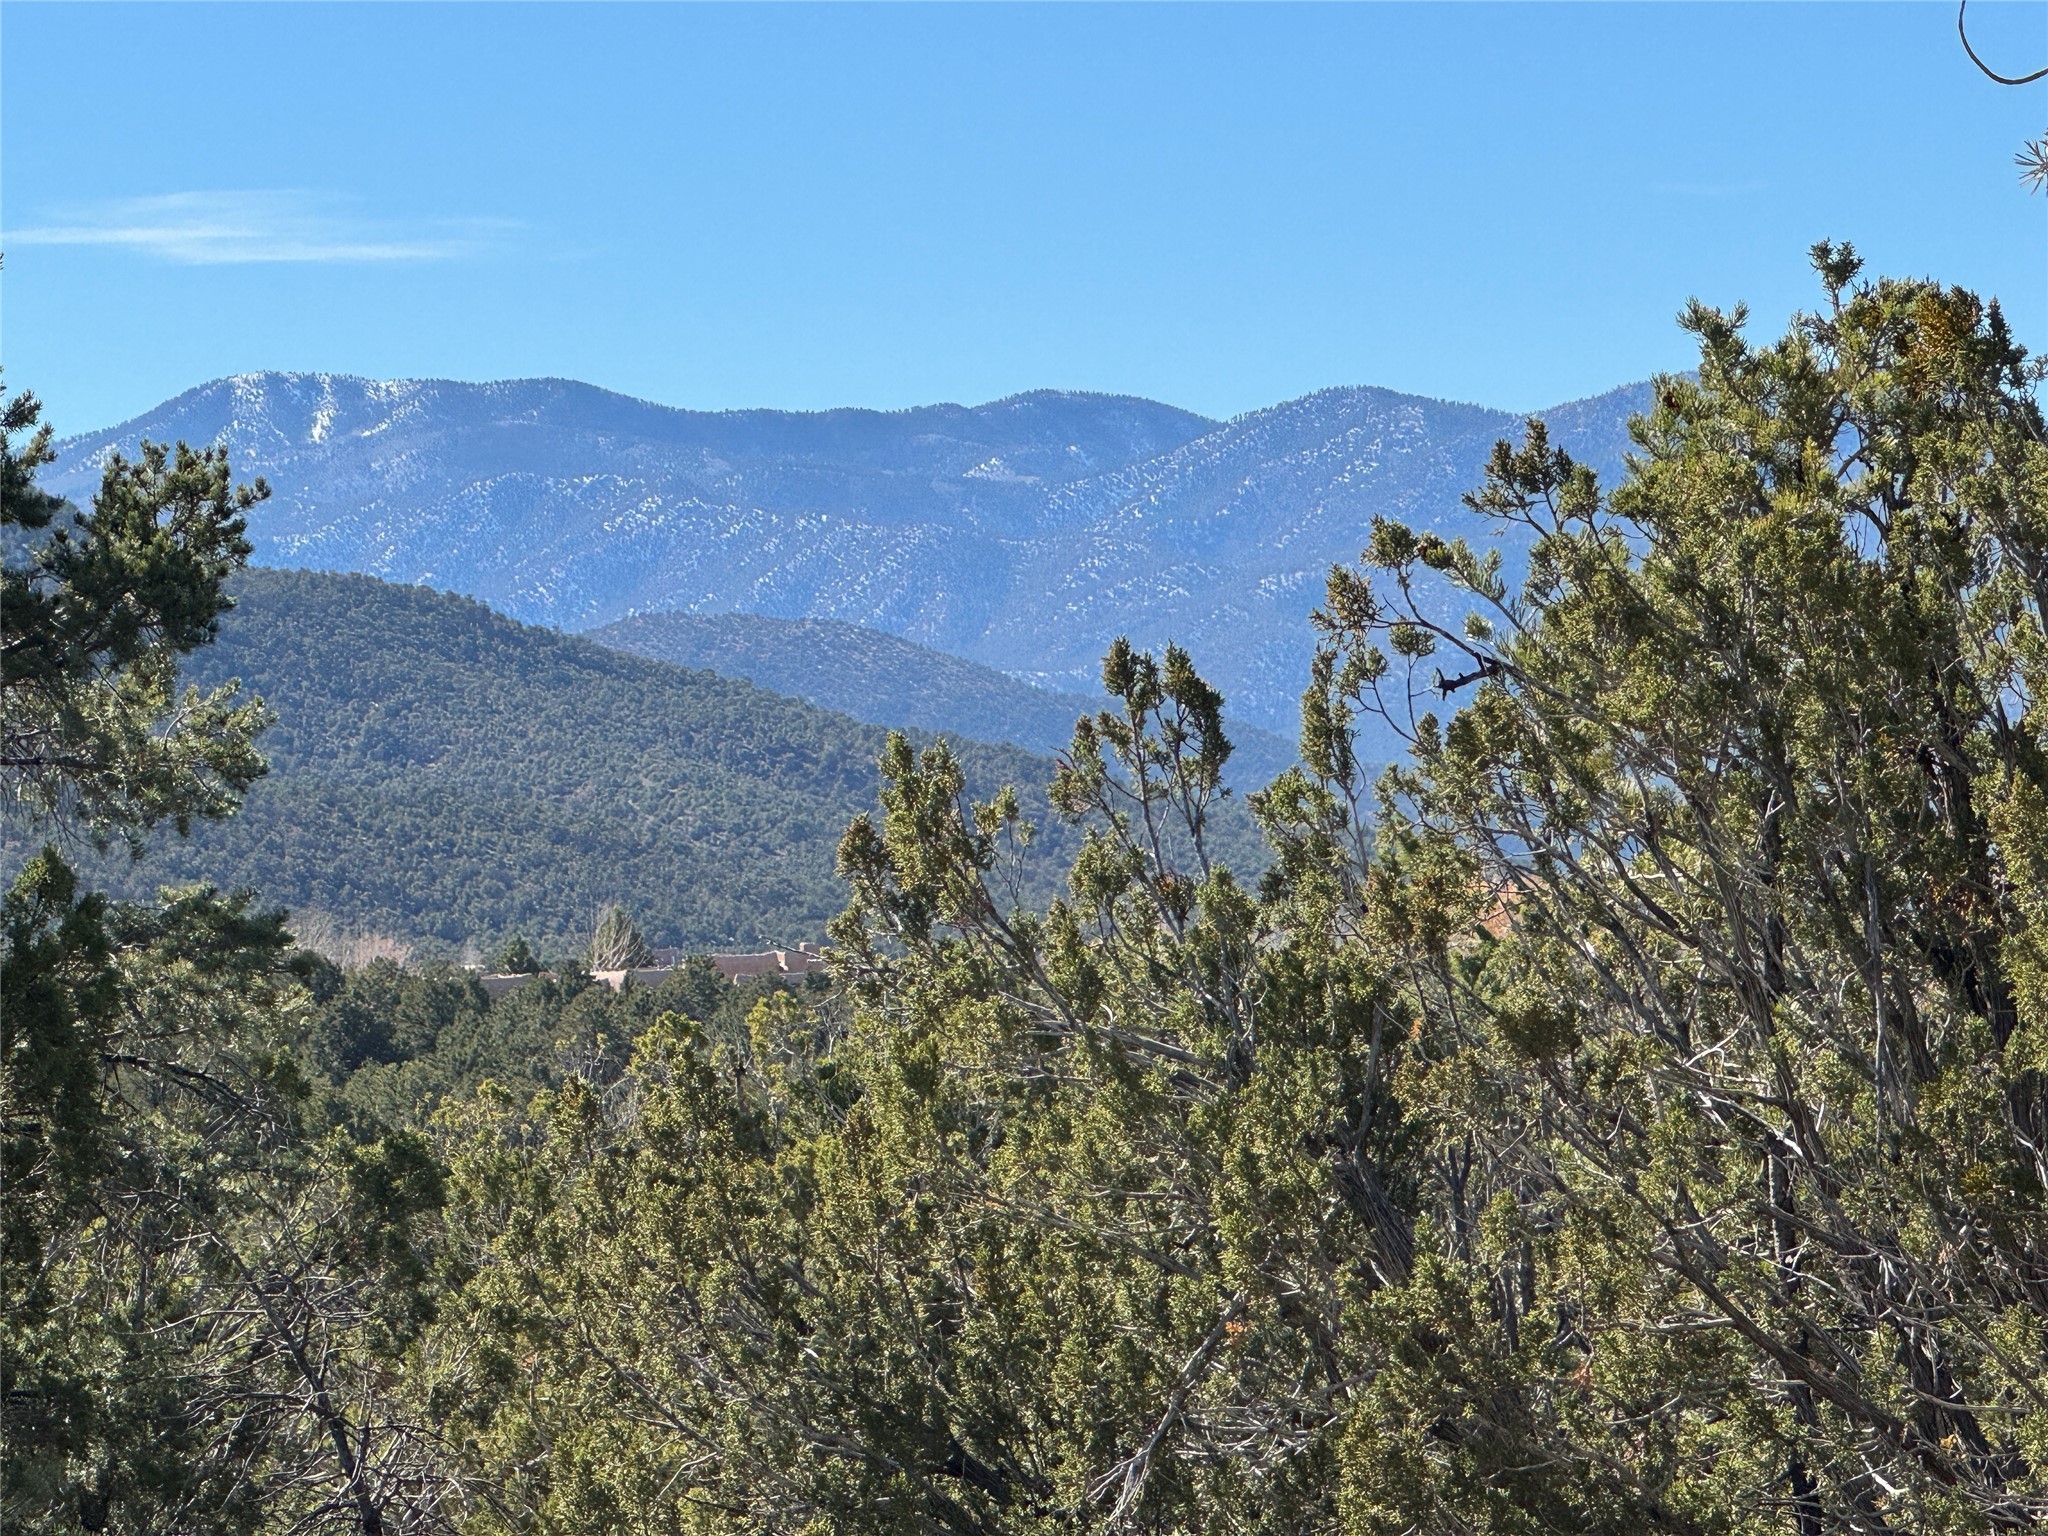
1023	535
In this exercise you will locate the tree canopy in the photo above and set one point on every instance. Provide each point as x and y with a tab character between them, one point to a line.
1625	1115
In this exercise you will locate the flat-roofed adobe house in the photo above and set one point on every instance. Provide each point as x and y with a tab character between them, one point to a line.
497	985
800	961
639	975
772	962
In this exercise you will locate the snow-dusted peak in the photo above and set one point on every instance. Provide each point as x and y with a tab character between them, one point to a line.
1024	533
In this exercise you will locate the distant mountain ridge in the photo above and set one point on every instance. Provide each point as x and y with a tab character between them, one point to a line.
1024	534
884	680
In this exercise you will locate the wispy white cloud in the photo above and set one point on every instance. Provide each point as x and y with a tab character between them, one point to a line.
212	228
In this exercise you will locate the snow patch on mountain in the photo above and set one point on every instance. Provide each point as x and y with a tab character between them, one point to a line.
1024	534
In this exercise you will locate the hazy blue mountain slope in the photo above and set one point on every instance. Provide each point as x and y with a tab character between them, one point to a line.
889	681
560	502
1024	534
1225	542
441	771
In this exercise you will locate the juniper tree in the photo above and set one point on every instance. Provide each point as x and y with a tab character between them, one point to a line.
1736	1092
1638	1129
1063	1227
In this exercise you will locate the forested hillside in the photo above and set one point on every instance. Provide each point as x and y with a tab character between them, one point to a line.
438	770
888	681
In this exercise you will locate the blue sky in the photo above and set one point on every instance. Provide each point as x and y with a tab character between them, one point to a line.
1217	206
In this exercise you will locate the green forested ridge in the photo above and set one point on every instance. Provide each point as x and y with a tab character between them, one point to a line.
1641	1131
889	681
439	770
